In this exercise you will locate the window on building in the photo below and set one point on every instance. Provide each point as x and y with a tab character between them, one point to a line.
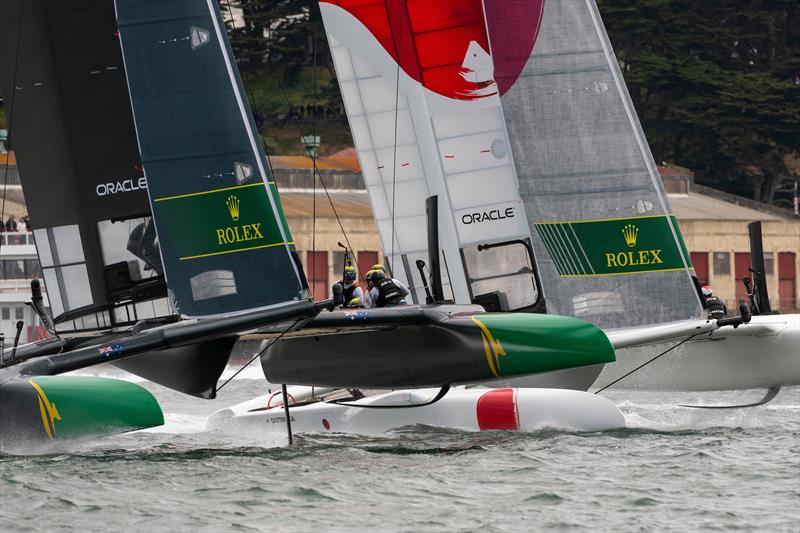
366	259
13	268
338	264
5	314
700	263
19	313
722	263
769	263
787	281
317	273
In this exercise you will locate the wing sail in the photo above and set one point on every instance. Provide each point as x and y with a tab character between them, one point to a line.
73	134
426	116
609	249
515	114
225	244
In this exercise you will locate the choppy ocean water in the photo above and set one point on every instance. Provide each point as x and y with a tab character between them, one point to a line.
672	469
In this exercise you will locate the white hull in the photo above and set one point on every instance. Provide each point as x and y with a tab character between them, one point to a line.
761	354
474	409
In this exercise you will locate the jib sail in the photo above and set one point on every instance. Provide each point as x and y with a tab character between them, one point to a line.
223	237
62	76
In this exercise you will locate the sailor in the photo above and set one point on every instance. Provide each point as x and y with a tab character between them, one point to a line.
352	293
379	266
716	307
383	291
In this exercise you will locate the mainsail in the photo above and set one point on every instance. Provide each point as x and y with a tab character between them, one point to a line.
426	118
223	237
609	249
66	92
515	114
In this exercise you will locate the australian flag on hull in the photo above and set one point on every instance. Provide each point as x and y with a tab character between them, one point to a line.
223	236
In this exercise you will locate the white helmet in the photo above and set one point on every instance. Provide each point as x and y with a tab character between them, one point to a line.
706	290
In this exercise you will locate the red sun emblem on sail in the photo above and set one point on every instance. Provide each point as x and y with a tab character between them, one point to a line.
462	49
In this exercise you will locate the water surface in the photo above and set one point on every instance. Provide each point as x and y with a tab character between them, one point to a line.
672	469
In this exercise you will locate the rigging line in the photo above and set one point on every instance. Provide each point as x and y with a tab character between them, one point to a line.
315	170
318	175
258	354
394	161
11	112
313	155
687	339
397	48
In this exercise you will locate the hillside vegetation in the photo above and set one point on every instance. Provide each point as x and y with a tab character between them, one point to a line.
716	84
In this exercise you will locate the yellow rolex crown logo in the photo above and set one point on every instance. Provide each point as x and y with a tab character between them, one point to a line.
233	207
630	232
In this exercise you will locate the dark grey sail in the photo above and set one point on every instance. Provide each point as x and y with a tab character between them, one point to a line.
608	248
66	93
223	236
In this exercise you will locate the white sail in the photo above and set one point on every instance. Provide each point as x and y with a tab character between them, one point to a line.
438	129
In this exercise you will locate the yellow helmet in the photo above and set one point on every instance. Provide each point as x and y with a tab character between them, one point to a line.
378	266
375	276
349	273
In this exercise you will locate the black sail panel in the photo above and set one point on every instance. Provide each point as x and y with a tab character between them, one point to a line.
66	93
225	244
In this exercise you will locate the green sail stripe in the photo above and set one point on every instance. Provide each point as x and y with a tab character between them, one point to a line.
550	248
286	230
557	247
236	251
617	246
574	257
212	191
565	267
564	251
583	251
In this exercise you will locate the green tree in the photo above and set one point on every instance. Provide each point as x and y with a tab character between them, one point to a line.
279	34
716	85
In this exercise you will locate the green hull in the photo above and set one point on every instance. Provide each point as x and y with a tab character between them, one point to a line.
59	408
430	346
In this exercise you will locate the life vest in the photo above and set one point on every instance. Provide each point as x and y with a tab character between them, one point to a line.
388	294
716	307
347	292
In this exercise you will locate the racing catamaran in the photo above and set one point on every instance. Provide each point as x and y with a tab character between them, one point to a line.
515	114
161	238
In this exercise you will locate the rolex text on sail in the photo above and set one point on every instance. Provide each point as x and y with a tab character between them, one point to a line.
222	221
614	246
236	234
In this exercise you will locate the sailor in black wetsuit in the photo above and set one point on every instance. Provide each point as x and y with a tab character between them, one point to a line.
716	307
383	291
352	293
